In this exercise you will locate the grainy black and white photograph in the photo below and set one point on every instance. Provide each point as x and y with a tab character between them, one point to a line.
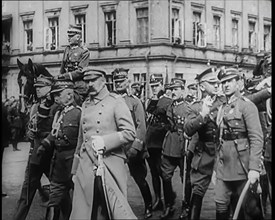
136	109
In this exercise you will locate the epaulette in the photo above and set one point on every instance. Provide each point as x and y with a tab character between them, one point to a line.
245	99
115	95
84	47
77	106
135	97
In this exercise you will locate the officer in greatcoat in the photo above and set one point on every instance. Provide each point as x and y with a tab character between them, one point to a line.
137	151
63	137
39	126
75	58
201	120
106	126
157	127
173	144
241	143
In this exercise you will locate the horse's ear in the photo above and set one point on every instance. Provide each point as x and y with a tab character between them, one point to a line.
20	65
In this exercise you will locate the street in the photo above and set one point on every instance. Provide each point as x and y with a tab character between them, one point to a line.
13	168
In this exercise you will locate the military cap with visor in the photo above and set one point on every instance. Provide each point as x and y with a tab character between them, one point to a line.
120	74
192	86
74	29
62	84
208	75
227	74
177	82
42	81
155	79
136	85
92	73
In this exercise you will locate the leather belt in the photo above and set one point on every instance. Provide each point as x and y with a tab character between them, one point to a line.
233	135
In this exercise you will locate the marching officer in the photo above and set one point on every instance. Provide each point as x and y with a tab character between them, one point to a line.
106	126
241	143
39	126
137	151
173	144
63	137
75	58
201	121
157	126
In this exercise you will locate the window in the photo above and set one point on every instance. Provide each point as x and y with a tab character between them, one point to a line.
110	83
176	26
110	21
217	31
267	37
28	37
235	36
179	75
81	20
142	25
52	34
252	35
198	30
139	77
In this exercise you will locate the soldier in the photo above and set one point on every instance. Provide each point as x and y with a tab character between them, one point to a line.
241	143
75	58
173	144
192	93
106	126
136	88
137	151
157	126
63	138
39	126
15	122
201	121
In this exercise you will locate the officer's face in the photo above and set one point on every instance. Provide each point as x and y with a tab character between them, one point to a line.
193	92
56	97
156	88
96	85
230	86
177	92
74	39
211	88
121	85
42	91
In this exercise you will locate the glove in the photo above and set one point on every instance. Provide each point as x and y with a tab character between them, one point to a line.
40	151
30	134
207	103
253	176
214	178
132	153
264	83
73	178
98	144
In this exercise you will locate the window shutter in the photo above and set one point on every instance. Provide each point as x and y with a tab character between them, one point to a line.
47	38
56	36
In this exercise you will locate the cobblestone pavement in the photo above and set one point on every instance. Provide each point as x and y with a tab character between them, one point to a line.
13	168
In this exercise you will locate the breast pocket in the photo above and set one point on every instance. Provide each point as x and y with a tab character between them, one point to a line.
235	120
70	132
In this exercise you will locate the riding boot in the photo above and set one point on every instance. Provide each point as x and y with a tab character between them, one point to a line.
147	197
158	205
169	197
52	213
195	207
15	148
222	215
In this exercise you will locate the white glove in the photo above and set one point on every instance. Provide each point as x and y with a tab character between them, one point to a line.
73	178
98	144
207	103
262	84
214	178
253	176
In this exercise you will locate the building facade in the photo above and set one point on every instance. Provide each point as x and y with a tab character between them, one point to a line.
177	38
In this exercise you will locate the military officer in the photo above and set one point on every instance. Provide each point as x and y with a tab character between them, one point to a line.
106	126
136	89
201	120
173	144
63	137
75	58
241	143
137	151
39	126
157	126
192	93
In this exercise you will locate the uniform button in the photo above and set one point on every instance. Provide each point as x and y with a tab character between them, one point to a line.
85	131
86	140
83	122
97	130
98	121
237	123
100	112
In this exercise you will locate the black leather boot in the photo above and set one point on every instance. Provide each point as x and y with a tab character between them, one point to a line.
52	213
158	205
169	197
222	215
195	207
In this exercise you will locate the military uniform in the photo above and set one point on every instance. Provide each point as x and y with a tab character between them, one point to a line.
39	126
64	139
136	152
75	58
105	115
157	126
241	145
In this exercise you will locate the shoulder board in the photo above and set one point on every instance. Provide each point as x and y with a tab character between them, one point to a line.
114	95
84	47
133	96
245	99
79	107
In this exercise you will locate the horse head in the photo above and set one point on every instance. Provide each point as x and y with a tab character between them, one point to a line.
26	78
